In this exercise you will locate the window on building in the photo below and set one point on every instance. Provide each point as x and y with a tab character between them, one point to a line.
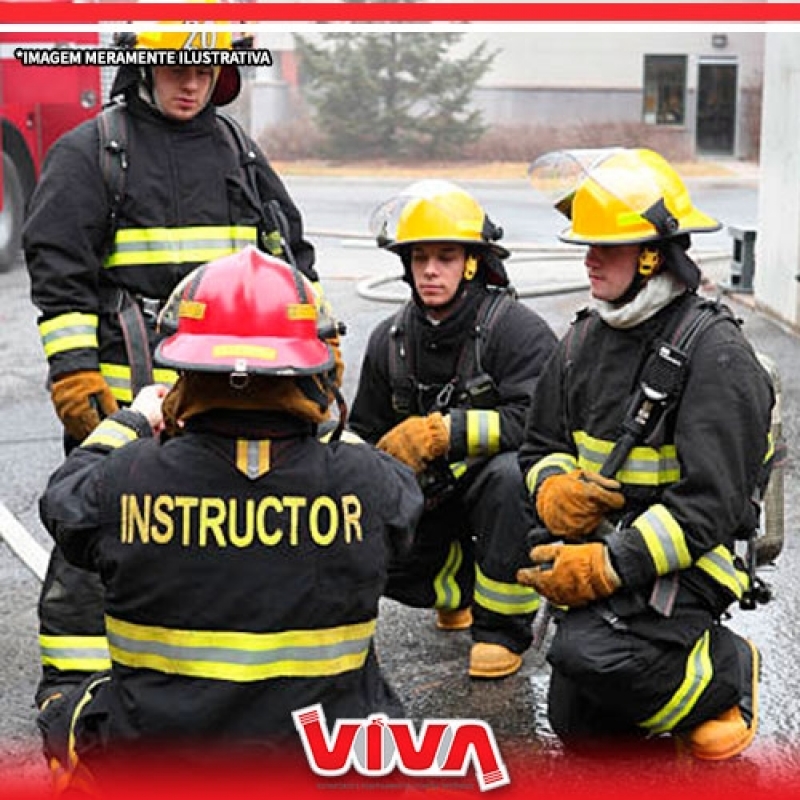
664	90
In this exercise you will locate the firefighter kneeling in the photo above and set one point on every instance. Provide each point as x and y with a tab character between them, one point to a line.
242	557
653	416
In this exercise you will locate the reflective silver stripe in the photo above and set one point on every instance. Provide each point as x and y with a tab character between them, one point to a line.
699	672
118	378
504	598
563	462
82	653
73	331
483	432
665	539
718	564
142	246
237	656
448	594
645	466
110	433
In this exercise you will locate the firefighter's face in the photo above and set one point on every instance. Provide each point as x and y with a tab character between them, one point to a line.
182	92
611	269
437	270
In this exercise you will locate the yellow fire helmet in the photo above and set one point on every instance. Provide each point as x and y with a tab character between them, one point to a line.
434	210
227	80
618	196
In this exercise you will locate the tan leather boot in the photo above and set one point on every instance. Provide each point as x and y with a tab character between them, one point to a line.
456	620
492	661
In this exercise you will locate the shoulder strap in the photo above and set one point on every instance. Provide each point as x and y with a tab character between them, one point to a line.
491	310
112	127
400	374
274	232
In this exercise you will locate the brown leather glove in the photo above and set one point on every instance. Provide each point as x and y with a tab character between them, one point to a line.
580	573
72	396
417	441
574	504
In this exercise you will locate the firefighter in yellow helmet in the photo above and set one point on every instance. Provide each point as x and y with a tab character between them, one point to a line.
126	206
243	559
444	387
651	425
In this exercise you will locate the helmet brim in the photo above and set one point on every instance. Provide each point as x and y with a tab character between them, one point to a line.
693	222
258	356
400	247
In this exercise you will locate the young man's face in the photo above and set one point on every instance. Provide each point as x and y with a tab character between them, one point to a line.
182	92
611	269
437	269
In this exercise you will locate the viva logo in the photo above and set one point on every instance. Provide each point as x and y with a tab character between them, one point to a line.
378	745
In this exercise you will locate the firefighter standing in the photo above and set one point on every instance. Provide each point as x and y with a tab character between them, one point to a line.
242	559
641	650
444	387
101	267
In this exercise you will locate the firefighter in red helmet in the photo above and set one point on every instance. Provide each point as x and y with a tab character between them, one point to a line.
242	557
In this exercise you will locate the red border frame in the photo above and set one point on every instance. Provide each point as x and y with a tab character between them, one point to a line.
645	12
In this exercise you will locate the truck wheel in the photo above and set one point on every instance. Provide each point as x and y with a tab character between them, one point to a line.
11	215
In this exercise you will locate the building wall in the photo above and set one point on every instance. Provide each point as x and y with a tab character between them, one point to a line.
570	78
778	238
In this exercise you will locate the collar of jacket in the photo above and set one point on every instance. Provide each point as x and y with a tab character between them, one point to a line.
453	328
205	119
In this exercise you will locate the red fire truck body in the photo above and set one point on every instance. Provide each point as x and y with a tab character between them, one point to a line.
37	105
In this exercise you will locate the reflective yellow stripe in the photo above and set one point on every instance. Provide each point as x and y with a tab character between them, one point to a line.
665	539
72	750
458	468
483	432
110	434
718	563
699	671
241	657
448	595
118	378
142	246
71	331
645	466
83	653
504	598
563	462
770	447
253	457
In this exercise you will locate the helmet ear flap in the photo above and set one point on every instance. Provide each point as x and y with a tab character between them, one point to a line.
650	261
470	267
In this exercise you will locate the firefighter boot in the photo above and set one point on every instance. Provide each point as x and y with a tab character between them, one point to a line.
732	731
489	660
458	619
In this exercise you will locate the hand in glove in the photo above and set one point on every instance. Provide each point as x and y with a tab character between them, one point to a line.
571	575
573	504
72	396
417	441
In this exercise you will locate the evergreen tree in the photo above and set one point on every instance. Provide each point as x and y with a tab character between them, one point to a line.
392	95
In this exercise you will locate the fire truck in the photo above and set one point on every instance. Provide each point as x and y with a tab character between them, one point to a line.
37	105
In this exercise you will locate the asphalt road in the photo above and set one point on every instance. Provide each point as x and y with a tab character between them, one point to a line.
427	667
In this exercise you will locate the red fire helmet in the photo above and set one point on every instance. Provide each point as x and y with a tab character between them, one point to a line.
247	313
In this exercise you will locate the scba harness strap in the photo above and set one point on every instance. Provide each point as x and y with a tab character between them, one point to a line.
112	126
682	335
470	386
